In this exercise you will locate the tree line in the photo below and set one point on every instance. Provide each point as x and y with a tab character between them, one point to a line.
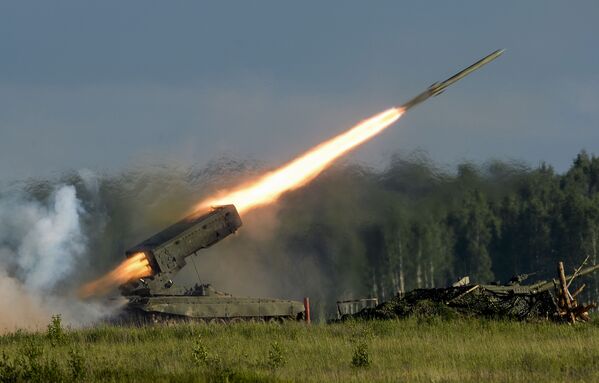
414	225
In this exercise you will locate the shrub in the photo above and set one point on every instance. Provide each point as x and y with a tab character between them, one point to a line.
56	333
276	356
360	357
199	352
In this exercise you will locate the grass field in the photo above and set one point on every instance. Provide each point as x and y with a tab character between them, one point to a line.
410	350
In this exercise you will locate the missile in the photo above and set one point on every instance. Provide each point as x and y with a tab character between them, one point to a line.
438	88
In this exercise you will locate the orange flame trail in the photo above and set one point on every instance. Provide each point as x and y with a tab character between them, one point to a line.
134	267
304	168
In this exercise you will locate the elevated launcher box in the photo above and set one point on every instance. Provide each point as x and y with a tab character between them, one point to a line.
166	251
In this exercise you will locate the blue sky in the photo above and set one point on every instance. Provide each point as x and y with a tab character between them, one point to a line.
113	84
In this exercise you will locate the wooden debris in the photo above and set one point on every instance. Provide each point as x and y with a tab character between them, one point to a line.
568	307
579	290
576	271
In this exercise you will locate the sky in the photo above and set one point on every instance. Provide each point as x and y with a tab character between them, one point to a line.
109	85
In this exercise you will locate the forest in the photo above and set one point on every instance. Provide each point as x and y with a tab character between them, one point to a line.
415	225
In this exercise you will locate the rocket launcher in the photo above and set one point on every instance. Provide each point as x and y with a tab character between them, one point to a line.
167	250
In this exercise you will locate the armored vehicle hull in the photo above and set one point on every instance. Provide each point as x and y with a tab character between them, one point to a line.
213	309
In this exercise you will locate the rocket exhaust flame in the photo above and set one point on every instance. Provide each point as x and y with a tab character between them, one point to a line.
269	187
134	267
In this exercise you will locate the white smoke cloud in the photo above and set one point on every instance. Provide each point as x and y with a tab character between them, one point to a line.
53	240
40	245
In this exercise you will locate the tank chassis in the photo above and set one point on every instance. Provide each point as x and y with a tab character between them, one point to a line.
157	298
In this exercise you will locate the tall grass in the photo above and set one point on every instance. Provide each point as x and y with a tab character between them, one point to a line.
409	350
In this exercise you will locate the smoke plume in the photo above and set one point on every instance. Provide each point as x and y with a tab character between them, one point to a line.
41	243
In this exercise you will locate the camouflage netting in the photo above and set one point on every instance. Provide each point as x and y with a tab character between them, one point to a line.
464	301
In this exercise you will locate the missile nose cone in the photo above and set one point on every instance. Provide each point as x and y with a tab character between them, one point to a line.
498	52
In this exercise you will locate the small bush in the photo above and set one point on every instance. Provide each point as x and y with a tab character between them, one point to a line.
56	333
200	352
276	356
361	358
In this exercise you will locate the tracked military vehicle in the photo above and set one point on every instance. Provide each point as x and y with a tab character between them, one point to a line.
157	298
550	300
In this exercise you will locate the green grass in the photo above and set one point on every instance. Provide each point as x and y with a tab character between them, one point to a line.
409	350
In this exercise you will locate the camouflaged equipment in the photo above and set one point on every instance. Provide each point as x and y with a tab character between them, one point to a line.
514	300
